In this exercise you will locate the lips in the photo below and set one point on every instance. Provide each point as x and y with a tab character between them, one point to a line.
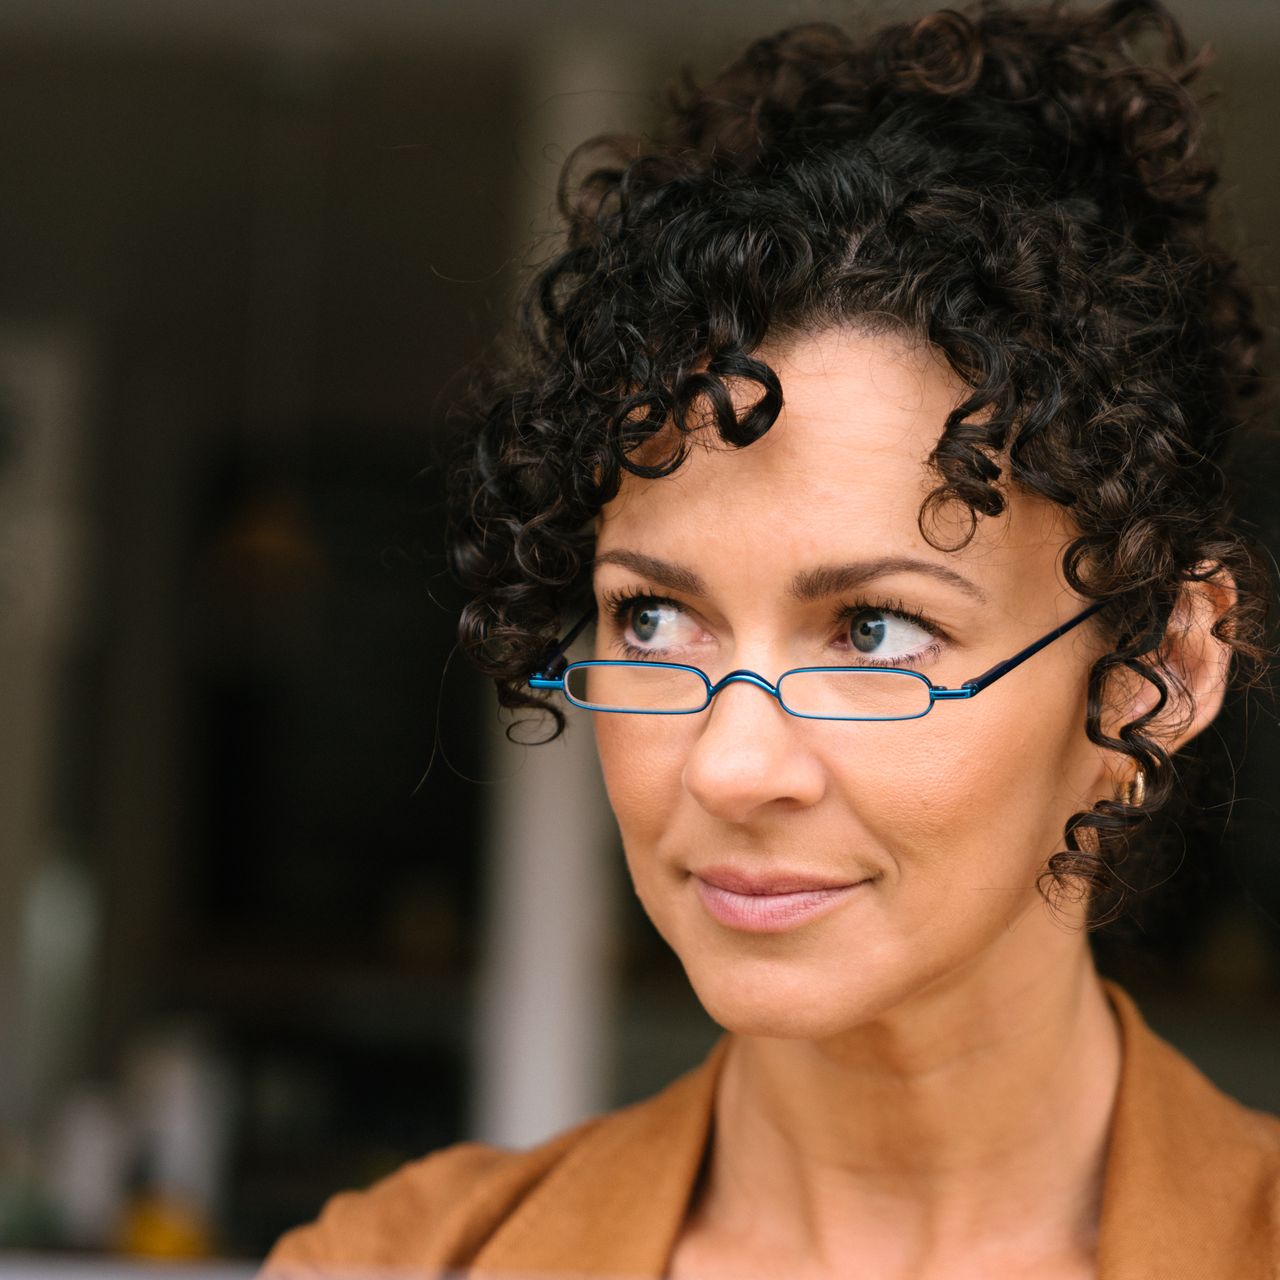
769	902
756	884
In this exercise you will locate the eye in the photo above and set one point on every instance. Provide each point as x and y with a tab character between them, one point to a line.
651	621
876	632
648	625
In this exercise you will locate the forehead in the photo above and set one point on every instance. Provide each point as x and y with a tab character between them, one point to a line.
842	472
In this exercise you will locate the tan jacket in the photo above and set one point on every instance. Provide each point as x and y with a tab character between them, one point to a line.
1191	1189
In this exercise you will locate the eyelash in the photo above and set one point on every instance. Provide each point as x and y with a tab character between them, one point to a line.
617	604
847	611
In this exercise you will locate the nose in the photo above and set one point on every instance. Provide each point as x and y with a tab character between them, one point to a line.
750	754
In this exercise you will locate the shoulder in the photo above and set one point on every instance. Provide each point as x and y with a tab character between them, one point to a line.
431	1212
608	1195
1160	1080
1193	1176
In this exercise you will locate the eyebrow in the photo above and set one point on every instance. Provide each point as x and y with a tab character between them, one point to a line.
808	585
832	579
676	577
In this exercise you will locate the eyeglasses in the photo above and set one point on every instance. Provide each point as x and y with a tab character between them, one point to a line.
814	693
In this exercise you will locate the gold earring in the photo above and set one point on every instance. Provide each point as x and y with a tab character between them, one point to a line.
1134	792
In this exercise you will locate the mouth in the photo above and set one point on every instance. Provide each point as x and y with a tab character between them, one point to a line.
769	902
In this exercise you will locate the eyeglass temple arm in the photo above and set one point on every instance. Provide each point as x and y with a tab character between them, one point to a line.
553	662
990	676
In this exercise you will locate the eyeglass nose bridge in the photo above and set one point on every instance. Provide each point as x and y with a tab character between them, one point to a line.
742	676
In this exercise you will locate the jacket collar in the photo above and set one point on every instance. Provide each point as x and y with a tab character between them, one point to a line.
1191	1187
614	1206
1192	1183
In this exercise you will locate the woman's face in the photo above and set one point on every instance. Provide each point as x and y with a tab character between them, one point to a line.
812	875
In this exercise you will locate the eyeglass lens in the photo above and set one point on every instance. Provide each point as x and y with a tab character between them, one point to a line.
834	694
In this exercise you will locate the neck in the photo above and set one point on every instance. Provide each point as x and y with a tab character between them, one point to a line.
973	1115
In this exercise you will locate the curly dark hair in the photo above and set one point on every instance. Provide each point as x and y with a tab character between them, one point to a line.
1015	186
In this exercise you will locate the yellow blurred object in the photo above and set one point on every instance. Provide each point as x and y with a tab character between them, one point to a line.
162	1227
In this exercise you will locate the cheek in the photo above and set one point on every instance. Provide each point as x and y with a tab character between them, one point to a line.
641	761
642	766
977	794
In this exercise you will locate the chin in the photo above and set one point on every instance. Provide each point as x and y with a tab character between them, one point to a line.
778	1000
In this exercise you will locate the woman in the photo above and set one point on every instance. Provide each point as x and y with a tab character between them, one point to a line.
877	415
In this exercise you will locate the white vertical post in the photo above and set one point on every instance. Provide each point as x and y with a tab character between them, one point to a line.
546	990
45	948
547	982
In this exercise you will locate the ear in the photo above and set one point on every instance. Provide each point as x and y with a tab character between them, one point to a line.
1195	663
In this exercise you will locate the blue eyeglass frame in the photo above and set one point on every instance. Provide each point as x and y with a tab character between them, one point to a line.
553	671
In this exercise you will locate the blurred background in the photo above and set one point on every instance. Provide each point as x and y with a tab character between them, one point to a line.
279	906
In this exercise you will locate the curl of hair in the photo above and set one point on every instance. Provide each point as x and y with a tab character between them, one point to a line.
1013	186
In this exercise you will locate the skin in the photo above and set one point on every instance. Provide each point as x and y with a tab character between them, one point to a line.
920	1081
